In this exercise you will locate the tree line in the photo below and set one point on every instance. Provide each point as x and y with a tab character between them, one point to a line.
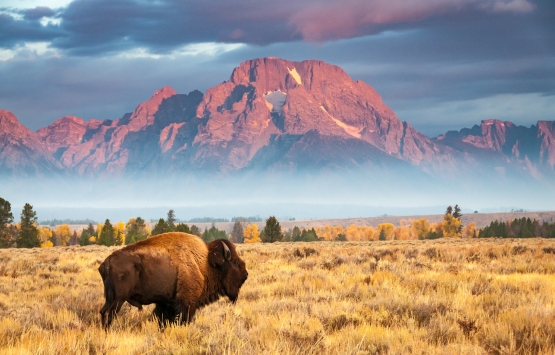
518	228
28	233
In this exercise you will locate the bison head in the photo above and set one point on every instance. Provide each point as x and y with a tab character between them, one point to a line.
232	269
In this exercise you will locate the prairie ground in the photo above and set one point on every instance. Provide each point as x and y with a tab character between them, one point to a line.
396	297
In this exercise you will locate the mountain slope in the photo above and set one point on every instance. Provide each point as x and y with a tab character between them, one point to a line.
21	151
530	148
274	115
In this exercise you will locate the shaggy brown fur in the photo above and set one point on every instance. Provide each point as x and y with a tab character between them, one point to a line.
178	272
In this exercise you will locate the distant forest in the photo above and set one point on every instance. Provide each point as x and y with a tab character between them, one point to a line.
56	222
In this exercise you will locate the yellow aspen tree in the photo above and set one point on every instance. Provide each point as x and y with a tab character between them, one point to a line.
469	230
251	234
388	230
99	227
421	228
402	233
45	234
451	226
319	232
63	234
119	232
327	233
370	233
336	231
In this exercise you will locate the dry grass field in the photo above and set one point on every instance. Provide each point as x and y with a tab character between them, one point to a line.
394	297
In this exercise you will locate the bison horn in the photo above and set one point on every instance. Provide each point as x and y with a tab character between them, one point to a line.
227	252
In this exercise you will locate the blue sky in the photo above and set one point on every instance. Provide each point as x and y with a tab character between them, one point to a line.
439	64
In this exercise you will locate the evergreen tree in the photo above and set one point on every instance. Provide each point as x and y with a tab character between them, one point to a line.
136	230
237	233
195	231
213	234
54	239
341	237
29	233
160	227
272	231
6	217
170	221
295	233
182	227
91	230
107	236
85	237
457	212
74	239
381	236
458	215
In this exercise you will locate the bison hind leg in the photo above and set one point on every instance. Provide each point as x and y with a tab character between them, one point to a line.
165	312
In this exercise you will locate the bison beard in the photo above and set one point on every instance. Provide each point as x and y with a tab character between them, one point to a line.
176	271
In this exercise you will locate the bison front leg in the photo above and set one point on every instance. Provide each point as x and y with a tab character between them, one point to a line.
109	311
186	313
165	313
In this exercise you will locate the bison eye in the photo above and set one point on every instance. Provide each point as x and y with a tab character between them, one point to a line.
235	262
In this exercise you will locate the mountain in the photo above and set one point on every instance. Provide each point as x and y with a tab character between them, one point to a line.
286	107
124	145
531	148
272	115
21	151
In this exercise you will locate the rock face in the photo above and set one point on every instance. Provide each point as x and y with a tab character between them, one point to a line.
497	140
21	151
273	104
272	114
126	145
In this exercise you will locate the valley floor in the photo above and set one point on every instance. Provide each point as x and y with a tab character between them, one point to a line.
481	296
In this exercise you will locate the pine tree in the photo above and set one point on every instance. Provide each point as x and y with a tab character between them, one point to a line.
74	239
183	227
107	236
458	215
29	233
195	231
160	227
237	233
136	230
6	217
170	221
84	239
295	233
91	230
272	231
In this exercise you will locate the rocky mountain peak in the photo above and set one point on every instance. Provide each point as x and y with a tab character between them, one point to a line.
143	115
21	151
63	132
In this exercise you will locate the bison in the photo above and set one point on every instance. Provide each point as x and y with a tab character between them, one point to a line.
178	272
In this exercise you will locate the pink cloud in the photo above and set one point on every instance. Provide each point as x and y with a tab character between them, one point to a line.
329	20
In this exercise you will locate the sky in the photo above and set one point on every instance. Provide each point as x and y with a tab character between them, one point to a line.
439	64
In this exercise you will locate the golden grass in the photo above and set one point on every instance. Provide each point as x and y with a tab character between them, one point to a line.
395	297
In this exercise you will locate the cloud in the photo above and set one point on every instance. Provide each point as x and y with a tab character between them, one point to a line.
16	29
37	13
331	20
97	27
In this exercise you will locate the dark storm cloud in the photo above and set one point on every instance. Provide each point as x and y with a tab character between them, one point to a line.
28	29
103	26
38	13
419	54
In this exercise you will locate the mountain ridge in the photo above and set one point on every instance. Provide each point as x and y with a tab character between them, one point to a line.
272	114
